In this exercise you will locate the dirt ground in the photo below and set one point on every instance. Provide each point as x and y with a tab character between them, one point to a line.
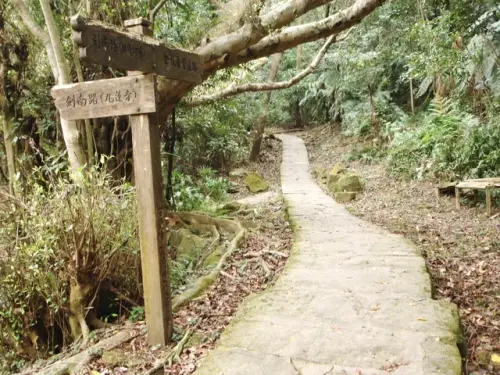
462	248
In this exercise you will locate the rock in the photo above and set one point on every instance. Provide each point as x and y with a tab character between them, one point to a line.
256	183
345	196
231	206
337	169
334	176
351	183
187	243
495	360
114	358
332	181
238	172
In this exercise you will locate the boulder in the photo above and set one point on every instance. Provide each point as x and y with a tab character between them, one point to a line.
345	196
350	183
256	183
337	169
334	176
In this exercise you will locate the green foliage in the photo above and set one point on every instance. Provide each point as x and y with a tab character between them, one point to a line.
137	313
447	143
198	193
50	238
214	136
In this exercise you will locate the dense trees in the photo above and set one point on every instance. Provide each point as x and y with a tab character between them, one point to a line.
417	81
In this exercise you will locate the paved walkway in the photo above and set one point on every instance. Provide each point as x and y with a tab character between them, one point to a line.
353	300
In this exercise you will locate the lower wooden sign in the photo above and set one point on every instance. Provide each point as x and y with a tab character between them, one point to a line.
106	98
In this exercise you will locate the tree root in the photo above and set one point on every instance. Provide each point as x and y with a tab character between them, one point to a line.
173	355
211	247
203	282
76	363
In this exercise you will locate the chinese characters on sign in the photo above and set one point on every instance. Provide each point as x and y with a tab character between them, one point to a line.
106	98
101	41
112	47
95	98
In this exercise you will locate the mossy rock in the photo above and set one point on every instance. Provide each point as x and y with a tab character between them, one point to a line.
332	181
114	358
186	243
256	183
320	173
345	196
337	169
348	183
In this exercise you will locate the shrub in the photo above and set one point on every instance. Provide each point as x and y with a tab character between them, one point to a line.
58	248
198	193
447	143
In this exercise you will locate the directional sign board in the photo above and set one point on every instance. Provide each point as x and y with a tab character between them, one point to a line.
107	45
106	98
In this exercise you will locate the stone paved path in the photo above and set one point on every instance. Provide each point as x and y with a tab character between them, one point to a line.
353	300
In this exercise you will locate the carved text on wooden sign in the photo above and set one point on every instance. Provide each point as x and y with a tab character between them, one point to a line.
106	45
106	98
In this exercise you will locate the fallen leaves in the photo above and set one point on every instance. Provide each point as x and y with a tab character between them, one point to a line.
462	248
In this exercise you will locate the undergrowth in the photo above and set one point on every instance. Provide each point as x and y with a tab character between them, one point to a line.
447	143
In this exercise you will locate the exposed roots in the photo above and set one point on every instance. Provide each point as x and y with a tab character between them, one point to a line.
173	355
76	363
203	282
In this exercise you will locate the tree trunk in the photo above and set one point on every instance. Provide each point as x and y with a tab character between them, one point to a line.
89	136
7	130
296	104
374	120
70	130
262	122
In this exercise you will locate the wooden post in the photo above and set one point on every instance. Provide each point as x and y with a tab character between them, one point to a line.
488	201
457	198
148	180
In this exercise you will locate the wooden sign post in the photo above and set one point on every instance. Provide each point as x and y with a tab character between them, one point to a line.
137	52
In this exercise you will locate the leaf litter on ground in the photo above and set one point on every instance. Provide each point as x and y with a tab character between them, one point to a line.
461	248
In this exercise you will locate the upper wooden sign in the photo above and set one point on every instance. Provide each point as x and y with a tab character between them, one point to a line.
107	45
130	95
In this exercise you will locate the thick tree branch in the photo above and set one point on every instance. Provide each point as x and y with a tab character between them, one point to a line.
156	9
171	92
285	13
293	36
251	33
233	90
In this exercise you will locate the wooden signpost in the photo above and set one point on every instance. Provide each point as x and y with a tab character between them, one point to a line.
137	52
106	98
108	45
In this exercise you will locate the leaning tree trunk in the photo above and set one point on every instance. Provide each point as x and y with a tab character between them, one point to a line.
7	130
262	122
70	129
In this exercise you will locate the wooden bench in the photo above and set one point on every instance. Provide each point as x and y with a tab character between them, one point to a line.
486	184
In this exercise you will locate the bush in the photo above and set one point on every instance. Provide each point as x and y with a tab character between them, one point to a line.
446	143
60	247
214	136
197	194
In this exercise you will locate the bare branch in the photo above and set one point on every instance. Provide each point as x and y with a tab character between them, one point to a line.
156	9
233	90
